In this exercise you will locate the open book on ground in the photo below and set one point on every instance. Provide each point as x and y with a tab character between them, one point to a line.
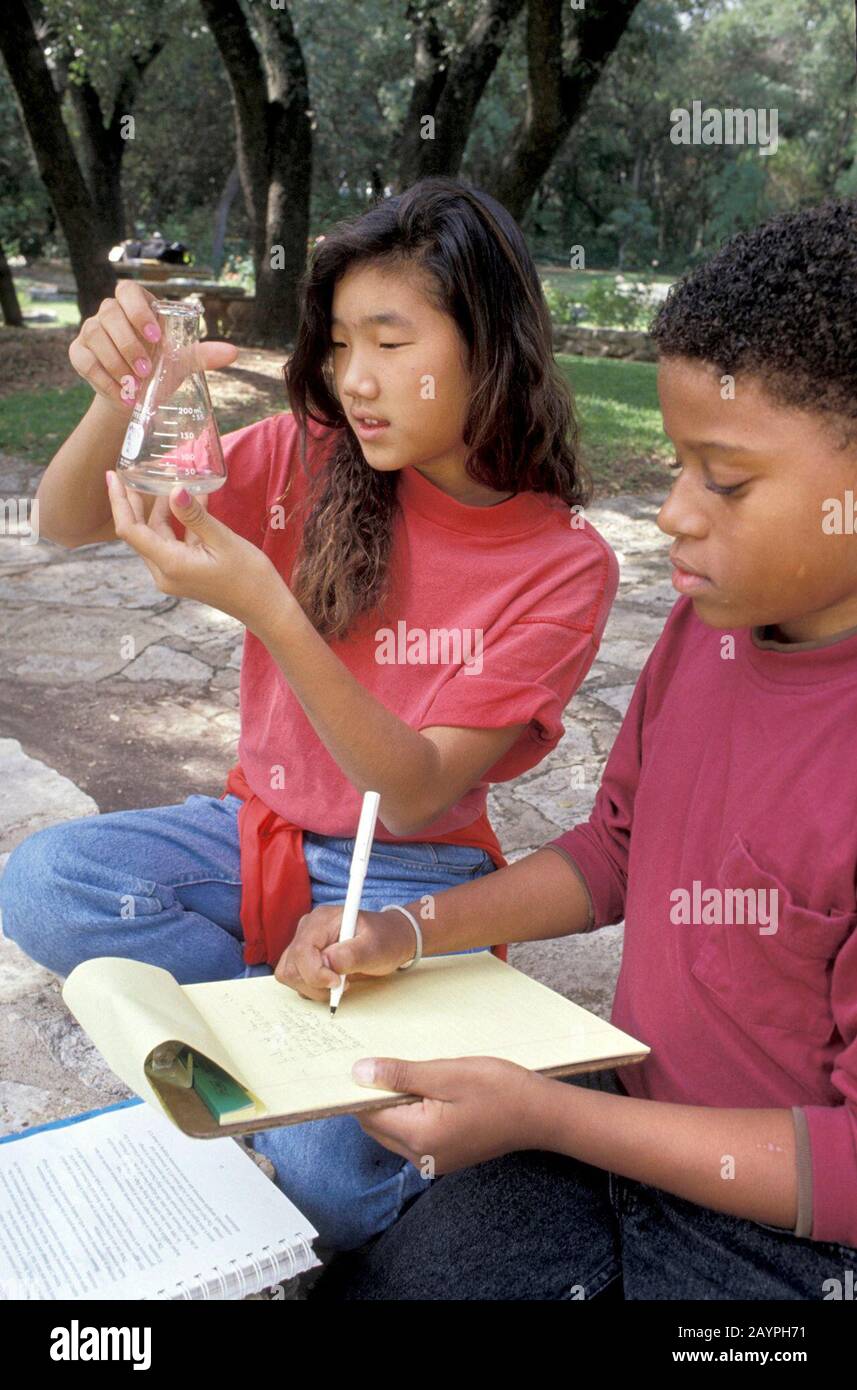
117	1204
294	1060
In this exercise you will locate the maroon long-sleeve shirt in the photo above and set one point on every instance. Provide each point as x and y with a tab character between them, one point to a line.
725	834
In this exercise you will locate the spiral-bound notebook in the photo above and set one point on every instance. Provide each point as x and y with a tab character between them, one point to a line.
119	1204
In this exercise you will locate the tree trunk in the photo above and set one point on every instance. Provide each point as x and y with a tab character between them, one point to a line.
270	95
556	97
87	237
102	145
637	174
451	93
221	218
275	320
9	305
429	80
376	181
101	157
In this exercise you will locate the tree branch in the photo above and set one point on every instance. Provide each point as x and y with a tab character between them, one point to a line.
462	91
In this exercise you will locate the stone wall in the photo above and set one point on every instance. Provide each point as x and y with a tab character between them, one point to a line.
606	342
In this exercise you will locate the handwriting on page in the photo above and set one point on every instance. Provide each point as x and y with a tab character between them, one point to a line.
299	1036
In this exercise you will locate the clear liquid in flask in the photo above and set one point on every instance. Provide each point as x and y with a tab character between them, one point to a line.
172	436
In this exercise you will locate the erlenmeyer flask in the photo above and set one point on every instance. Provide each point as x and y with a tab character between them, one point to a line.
172	434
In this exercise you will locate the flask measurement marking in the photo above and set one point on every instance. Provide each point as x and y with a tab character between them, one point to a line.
188	434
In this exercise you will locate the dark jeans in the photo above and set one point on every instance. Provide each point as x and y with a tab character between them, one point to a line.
538	1225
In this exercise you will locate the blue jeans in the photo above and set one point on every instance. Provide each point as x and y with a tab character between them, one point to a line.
66	895
543	1226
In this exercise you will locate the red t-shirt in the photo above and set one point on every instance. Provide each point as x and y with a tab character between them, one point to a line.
494	618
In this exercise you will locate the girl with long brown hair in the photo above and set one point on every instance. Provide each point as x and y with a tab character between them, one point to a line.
422	596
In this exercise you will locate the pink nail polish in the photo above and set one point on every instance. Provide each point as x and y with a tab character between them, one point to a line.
141	366
152	332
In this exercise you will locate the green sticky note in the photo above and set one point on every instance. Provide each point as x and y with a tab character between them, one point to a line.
222	1095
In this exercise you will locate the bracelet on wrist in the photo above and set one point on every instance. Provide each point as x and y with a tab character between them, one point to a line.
397	907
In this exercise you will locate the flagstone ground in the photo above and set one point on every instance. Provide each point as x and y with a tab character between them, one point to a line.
115	696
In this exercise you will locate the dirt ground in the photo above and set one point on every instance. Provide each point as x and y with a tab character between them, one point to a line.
34	359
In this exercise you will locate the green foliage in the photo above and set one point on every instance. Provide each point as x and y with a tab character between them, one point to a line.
238	270
93	41
177	165
623	190
609	305
565	310
619	187
636	235
25	209
606	301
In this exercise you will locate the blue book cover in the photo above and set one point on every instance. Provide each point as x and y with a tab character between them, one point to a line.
70	1120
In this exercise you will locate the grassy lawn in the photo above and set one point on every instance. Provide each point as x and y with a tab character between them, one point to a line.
616	401
40	401
66	310
33	424
623	438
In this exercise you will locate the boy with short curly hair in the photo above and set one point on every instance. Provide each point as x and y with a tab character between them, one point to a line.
724	833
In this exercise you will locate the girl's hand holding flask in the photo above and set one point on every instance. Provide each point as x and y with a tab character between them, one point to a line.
114	349
171	443
212	564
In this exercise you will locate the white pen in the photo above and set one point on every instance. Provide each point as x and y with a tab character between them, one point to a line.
356	875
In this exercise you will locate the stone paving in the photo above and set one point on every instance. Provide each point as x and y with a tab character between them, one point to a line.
115	695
